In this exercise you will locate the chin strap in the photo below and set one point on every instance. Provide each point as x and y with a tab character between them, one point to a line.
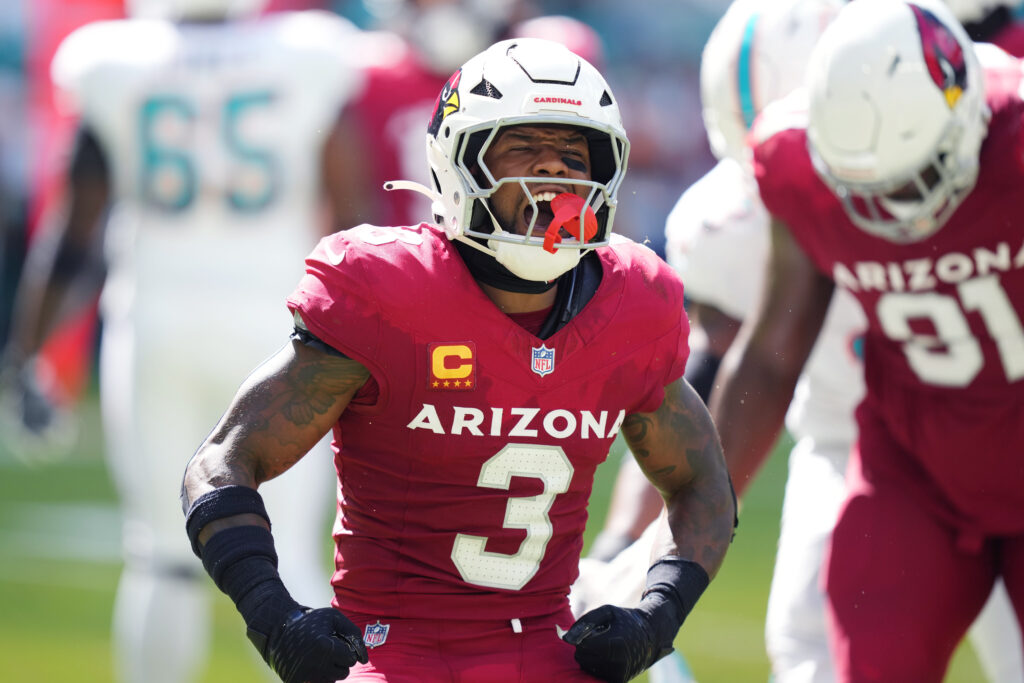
436	206
413	186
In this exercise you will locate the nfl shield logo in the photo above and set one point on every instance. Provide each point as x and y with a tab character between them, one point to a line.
376	634
543	360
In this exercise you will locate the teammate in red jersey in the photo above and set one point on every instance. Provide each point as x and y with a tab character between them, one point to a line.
419	44
896	179
475	372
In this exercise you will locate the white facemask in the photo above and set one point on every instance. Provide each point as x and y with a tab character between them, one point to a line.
533	263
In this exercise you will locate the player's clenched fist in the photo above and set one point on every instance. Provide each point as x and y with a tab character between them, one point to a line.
313	646
616	644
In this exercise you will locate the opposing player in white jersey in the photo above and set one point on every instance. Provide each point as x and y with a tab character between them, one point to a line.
206	137
718	239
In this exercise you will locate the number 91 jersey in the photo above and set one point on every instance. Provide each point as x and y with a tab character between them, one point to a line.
944	350
213	134
464	485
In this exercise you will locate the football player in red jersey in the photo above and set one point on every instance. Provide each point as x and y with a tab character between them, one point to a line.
894	177
475	371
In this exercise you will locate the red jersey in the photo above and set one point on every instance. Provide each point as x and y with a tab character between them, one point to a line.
392	116
464	487
944	351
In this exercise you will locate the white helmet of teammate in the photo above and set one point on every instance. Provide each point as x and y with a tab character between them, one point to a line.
178	10
757	53
897	115
523	81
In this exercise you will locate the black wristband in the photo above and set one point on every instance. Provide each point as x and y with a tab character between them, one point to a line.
681	581
225	501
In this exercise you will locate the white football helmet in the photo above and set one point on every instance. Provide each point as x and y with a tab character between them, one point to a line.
757	53
897	115
523	81
178	10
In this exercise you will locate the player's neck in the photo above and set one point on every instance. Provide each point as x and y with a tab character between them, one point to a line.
519	302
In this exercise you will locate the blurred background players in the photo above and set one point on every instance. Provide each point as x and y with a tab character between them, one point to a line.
717	237
883	630
414	47
207	142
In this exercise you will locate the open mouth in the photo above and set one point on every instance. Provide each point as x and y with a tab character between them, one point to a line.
545	213
558	216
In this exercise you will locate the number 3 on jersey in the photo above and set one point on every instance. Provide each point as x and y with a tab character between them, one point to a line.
512	572
953	356
173	141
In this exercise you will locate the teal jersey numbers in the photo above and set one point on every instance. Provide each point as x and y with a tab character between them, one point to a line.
175	153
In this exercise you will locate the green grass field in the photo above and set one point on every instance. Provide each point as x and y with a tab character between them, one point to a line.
59	544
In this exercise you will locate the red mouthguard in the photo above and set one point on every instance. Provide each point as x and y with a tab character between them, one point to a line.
567	208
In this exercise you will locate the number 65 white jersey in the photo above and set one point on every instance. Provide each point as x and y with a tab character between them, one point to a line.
213	136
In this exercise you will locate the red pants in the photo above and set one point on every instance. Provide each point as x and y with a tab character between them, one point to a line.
442	651
904	581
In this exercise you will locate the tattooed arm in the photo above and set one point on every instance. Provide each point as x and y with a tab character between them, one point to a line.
678	449
280	412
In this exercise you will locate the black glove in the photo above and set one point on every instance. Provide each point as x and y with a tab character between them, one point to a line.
312	646
300	644
616	644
